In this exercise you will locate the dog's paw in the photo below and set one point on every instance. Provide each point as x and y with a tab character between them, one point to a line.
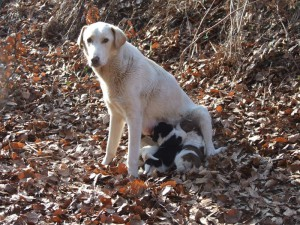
133	173
133	169
107	160
221	149
148	151
211	152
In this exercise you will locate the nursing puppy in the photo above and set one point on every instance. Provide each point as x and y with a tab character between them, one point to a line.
136	91
169	140
192	153
188	151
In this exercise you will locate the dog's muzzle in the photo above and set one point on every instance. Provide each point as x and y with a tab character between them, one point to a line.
95	62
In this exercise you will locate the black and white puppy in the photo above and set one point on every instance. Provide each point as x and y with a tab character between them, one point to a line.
169	140
192	153
188	153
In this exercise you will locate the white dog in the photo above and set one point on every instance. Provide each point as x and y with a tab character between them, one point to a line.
137	91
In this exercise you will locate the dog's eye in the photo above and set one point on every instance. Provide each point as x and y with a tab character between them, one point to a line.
89	40
105	40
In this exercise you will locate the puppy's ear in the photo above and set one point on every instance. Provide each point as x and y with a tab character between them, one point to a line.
119	36
80	38
165	129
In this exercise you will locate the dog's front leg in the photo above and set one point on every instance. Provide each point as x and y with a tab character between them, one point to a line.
134	122
116	127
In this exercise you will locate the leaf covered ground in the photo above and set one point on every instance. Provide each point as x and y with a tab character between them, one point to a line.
239	58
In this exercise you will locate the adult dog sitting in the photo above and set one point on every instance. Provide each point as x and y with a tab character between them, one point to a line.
137	91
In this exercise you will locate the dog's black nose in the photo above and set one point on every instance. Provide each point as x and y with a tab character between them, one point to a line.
95	61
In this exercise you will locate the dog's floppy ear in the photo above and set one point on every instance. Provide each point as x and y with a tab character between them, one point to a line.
162	129
119	36
80	38
165	129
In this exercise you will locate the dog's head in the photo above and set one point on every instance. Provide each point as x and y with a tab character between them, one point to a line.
161	131
100	41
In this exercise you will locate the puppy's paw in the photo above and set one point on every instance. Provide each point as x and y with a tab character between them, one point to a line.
148	151
148	170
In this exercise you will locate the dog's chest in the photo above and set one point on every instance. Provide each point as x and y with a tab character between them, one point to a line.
113	96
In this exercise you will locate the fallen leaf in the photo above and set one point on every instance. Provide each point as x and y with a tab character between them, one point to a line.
137	187
155	45
271	183
280	140
166	190
56	219
294	138
14	156
122	168
59	212
214	91
289	212
219	109
105	201
117	219
232	216
36	79
231	93
39	152
254	138
14	145
295	166
92	15
171	183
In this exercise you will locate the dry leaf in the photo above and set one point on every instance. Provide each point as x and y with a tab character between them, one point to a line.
280	140
219	109
117	219
294	138
155	45
122	168
14	156
15	145
92	15
171	183
232	216
166	190
36	79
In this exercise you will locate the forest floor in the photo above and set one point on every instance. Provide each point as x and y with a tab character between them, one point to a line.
238	58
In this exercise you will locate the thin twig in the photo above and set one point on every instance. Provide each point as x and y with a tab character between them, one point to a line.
205	31
168	212
280	19
40	157
202	22
29	146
